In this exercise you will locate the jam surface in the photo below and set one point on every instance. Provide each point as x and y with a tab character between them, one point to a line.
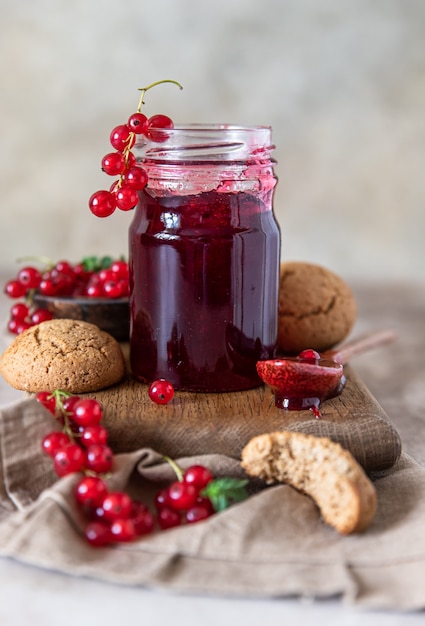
204	282
299	383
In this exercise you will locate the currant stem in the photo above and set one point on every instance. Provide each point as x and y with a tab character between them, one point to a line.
145	89
30	297
59	395
178	471
43	260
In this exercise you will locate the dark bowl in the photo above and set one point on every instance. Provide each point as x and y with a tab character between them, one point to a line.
112	316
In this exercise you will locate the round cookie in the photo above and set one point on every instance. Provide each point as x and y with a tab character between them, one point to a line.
317	309
65	354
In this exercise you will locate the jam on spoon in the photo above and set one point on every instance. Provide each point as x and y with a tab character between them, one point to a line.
305	381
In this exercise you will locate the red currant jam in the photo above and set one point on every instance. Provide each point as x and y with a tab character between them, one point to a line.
301	383
204	269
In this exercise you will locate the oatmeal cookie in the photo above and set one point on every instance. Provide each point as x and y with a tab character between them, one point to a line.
317	309
320	468
65	354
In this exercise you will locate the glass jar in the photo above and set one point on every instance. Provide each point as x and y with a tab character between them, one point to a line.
204	257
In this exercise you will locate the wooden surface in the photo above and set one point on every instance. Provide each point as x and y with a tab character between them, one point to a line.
223	423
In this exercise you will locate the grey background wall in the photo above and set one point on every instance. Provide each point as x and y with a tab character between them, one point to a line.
342	82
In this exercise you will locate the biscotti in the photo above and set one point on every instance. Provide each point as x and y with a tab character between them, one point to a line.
65	354
320	468
317	308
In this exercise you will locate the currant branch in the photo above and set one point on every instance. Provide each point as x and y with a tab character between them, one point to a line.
123	194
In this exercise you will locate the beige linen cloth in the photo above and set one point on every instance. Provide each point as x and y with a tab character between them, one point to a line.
274	544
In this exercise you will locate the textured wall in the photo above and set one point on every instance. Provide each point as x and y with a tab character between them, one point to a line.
342	82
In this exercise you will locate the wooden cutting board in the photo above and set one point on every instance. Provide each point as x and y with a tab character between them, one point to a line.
201	423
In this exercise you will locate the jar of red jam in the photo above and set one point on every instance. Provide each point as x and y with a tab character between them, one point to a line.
204	257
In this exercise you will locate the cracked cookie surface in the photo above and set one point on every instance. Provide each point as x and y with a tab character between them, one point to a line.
317	308
63	354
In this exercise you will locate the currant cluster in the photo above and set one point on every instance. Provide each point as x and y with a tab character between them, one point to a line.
113	516
22	316
182	500
94	278
123	193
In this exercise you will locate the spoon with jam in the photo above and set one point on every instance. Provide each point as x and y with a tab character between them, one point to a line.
305	381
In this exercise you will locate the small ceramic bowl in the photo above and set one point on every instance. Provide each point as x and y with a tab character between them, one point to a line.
112	316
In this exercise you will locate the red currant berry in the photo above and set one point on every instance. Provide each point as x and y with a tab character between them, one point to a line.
161	391
41	315
115	186
98	513
126	198
93	434
116	505
69	403
157	125
197	513
120	270
15	289
135	178
98	534
94	291
309	355
142	518
90	491
102	203
64	267
87	412
181	496
123	530
206	503
19	311
22	326
125	288
113	163
105	274
99	458
113	289
138	123
13	326
168	518
68	460
29	277
198	476
47	400
81	272
161	499
48	287
64	284
121	137
55	441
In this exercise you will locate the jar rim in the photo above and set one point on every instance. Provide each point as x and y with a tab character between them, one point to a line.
218	126
206	141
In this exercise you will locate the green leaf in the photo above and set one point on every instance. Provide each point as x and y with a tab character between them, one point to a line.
225	491
90	263
105	262
95	263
